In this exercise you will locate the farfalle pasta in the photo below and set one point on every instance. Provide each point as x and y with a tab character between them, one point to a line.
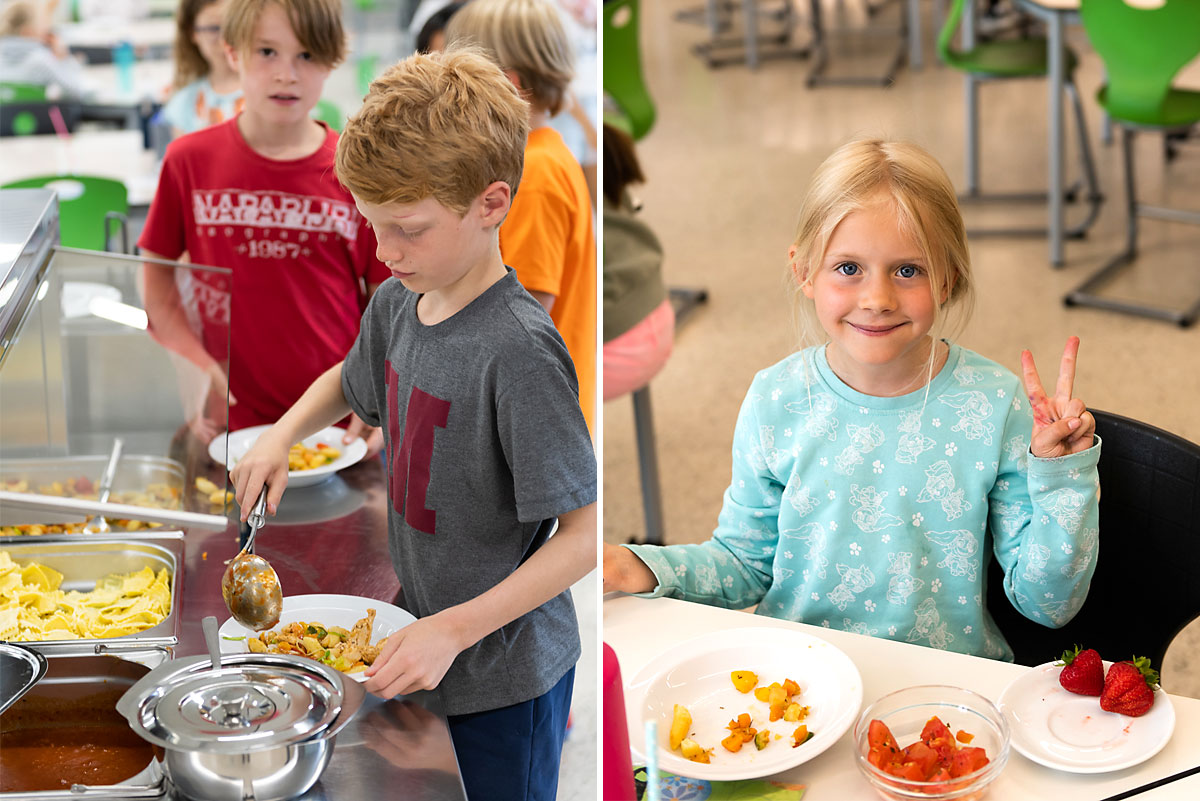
33	606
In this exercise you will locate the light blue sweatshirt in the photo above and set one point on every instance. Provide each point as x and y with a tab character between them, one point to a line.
880	515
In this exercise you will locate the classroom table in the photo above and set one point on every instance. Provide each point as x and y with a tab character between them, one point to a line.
117	154
750	28
152	36
639	629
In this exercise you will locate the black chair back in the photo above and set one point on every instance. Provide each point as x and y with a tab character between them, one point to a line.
1146	588
25	118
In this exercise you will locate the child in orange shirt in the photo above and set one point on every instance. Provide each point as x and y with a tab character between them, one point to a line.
549	236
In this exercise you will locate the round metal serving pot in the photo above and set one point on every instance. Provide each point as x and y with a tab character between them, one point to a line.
259	729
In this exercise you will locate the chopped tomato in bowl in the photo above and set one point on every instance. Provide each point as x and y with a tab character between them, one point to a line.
932	742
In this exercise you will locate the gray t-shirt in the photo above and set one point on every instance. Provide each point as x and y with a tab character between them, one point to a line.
485	446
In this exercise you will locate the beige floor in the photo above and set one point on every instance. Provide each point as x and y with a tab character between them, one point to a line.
727	164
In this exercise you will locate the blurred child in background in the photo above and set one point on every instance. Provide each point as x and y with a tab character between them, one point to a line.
639	323
31	54
548	237
207	89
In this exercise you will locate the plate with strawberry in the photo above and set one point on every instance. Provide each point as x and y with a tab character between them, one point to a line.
1082	714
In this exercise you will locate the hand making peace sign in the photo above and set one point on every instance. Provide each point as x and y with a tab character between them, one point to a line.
1061	424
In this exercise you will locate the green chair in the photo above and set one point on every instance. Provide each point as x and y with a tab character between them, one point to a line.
22	92
327	112
1005	59
87	207
623	82
1143	49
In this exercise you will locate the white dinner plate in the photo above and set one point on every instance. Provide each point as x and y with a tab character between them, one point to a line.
328	610
1070	732
696	674
242	440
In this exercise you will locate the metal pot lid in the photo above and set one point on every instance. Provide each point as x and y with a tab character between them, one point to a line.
20	669
254	701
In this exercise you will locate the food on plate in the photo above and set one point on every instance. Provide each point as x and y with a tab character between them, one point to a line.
742	729
155	496
347	651
694	751
1083	671
778	697
302	457
215	496
744	680
33	607
740	733
681	721
935	757
1129	687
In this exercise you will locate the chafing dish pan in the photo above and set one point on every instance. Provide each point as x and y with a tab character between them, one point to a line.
85	560
65	732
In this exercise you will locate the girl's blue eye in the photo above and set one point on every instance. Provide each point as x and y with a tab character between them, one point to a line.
909	271
847	268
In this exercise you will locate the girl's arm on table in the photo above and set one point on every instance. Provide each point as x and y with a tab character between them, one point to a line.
736	567
418	656
321	405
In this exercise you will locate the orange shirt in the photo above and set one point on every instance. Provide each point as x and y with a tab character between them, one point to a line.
549	239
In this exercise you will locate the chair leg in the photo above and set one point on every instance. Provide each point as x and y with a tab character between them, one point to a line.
971	90
1083	294
643	420
1094	198
974	194
684	301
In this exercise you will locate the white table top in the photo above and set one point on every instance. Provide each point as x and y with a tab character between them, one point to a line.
108	154
151	81
110	31
639	629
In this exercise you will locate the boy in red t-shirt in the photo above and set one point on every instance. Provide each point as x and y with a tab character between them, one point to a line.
258	195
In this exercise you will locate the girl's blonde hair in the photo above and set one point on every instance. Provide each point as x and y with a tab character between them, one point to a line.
525	36
852	178
16	17
189	61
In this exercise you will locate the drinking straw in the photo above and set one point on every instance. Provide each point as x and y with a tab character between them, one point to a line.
60	125
653	791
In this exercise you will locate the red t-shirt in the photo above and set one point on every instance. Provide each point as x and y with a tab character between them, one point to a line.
297	247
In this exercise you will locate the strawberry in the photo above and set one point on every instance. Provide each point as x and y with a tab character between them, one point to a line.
1083	672
1129	687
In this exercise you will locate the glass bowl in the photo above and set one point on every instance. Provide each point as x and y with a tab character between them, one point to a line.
905	713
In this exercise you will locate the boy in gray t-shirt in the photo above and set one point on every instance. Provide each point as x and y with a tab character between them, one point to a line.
485	442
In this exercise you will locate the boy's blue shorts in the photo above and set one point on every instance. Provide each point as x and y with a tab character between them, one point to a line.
512	753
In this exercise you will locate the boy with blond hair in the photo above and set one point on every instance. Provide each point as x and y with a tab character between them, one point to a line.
257	194
549	237
485	442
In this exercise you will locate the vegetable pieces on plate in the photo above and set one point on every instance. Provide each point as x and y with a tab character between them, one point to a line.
742	730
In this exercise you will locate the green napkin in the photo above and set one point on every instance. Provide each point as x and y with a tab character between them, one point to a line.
678	788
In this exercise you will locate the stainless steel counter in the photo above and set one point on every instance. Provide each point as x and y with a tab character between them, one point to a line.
332	538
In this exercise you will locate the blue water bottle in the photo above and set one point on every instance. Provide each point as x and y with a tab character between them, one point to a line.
123	58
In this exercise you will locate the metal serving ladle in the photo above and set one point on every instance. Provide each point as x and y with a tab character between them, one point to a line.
250	586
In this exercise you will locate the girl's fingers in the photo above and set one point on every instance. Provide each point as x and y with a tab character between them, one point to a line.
1050	440
1066	370
1033	383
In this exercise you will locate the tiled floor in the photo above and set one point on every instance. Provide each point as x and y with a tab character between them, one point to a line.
577	774
727	164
